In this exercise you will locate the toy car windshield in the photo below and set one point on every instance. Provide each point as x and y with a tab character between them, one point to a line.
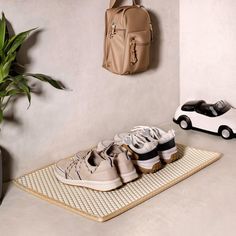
213	110
221	107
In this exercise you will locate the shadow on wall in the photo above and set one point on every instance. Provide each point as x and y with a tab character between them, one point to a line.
156	44
23	54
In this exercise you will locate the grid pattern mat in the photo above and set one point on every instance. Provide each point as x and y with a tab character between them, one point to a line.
102	206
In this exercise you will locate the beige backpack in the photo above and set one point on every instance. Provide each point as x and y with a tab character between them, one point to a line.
128	36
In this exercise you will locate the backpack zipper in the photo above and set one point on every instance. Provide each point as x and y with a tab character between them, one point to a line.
114	30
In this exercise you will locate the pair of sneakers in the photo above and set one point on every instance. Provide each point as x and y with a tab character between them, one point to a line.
100	169
151	147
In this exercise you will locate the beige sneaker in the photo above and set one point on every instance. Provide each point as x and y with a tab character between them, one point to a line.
121	159
91	171
144	153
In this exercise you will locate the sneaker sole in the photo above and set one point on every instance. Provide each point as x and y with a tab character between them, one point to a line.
148	166
154	168
174	157
169	156
96	185
129	176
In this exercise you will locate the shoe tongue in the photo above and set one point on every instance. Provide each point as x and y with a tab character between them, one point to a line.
93	159
105	156
112	151
103	145
127	140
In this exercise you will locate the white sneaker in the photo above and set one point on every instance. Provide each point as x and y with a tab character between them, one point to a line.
144	151
166	141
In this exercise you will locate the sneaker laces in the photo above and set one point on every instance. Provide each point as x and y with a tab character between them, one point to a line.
153	132
74	162
136	139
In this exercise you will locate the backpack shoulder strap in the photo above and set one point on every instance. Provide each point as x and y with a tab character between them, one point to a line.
112	3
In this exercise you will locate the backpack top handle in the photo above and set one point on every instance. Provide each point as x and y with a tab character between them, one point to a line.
112	3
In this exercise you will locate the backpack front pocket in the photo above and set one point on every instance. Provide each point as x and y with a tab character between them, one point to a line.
115	50
137	52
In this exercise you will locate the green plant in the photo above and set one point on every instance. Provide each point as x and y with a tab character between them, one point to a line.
13	80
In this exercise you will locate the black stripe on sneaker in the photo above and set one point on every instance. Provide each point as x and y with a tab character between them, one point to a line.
166	146
148	155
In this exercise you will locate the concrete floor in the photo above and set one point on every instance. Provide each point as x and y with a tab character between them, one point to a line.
203	204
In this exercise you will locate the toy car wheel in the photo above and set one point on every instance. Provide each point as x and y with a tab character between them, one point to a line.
225	132
185	122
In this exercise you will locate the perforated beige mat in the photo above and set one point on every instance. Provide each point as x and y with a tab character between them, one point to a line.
102	206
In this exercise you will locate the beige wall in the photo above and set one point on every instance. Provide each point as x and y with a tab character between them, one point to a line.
70	48
208	50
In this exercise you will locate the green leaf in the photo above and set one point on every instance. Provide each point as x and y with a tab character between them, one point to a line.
11	92
5	84
5	69
16	41
14	92
3	94
48	79
22	84
27	91
1	73
2	31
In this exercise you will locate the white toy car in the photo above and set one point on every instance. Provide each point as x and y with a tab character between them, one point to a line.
218	118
